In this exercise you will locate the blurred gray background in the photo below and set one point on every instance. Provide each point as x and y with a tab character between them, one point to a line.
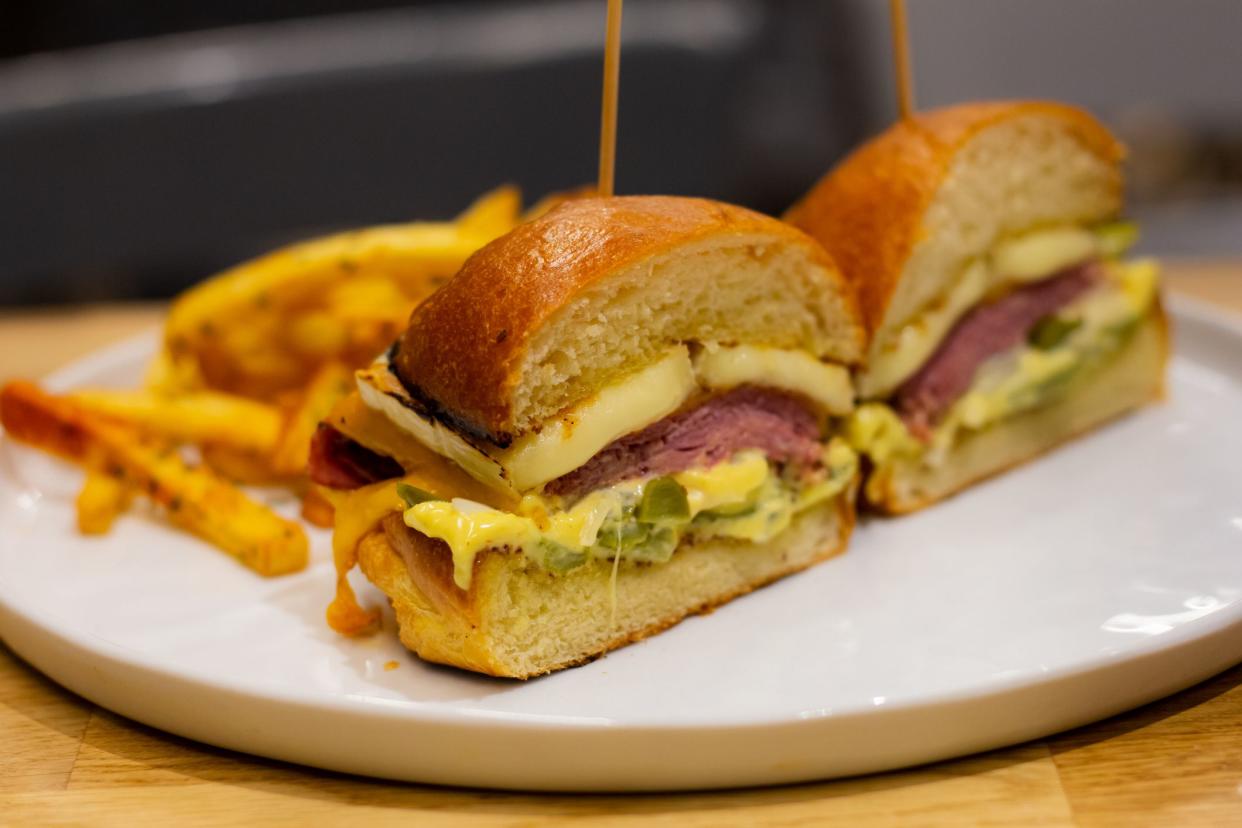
144	145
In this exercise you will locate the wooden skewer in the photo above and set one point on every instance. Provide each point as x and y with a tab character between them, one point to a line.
901	58
608	115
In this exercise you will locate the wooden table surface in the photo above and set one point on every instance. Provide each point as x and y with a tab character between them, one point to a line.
65	761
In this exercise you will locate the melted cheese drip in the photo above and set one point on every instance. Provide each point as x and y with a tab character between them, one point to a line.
357	513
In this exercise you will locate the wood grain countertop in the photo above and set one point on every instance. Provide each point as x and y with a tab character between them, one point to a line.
64	761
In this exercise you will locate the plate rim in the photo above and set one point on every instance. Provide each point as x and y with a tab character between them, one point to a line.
1205	632
1193	311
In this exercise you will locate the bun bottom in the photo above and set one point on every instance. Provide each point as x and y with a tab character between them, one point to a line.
519	621
1129	379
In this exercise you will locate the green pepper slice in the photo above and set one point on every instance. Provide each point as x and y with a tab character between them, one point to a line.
1052	331
412	495
560	558
664	501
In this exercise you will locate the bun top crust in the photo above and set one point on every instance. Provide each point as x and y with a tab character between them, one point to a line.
871	210
547	314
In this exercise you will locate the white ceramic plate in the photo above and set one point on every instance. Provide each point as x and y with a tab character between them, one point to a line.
1092	581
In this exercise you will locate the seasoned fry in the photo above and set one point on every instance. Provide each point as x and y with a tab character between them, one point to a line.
195	417
250	362
102	499
194	498
331	383
268	324
242	467
168	375
493	214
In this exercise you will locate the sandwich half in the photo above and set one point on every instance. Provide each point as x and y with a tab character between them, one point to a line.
619	414
986	246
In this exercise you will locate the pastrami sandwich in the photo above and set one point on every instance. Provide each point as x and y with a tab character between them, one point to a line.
617	415
986	248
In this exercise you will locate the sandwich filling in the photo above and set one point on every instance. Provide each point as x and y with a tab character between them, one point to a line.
1064	300
707	442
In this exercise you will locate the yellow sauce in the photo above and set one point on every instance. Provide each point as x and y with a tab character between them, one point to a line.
745	482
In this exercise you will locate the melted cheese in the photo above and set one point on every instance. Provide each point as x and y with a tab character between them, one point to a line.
358	512
626	406
1022	378
1140	281
1034	255
563	444
898	353
723	367
635	402
724	484
875	430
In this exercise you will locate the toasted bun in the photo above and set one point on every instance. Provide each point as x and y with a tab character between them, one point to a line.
908	210
1131	378
546	315
520	621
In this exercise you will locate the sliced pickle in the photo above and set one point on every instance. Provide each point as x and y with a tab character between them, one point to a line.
1051	331
657	548
664	501
560	558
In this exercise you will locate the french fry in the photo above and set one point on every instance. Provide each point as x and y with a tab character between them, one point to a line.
242	467
493	214
268	324
331	383
194	417
167	374
251	361
194	498
102	499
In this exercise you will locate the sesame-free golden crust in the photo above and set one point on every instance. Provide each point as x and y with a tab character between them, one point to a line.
444	624
868	210
463	346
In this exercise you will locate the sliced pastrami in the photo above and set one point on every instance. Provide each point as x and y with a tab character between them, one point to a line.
338	462
982	333
748	417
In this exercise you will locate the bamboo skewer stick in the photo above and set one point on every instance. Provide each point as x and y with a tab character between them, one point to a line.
901	59
608	115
